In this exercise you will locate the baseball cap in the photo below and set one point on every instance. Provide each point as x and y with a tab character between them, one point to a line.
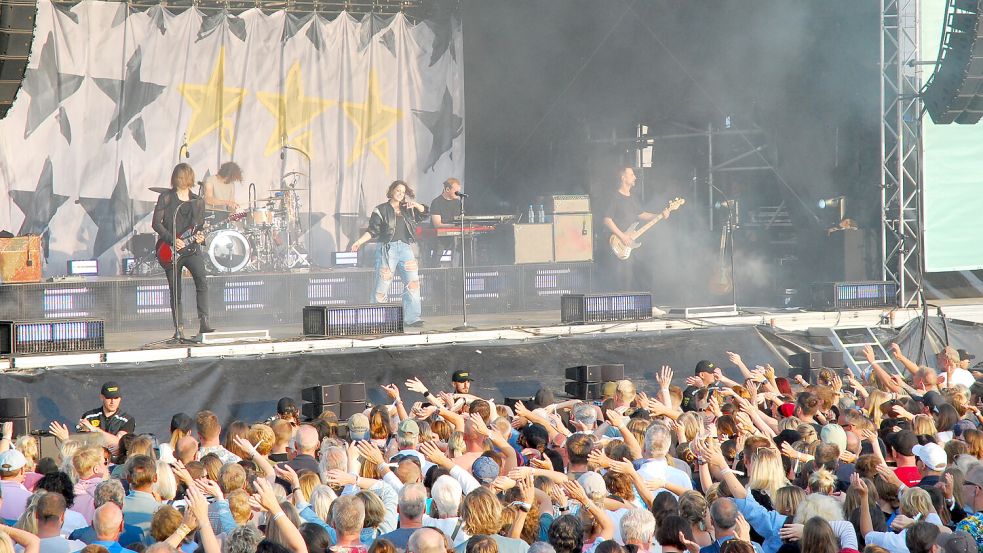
965	355
957	542
932	455
608	389
110	390
358	427
463	375
181	421
787	436
688	402
705	366
12	460
833	434
286	405
961	426
409	427
484	469
787	409
933	400
593	484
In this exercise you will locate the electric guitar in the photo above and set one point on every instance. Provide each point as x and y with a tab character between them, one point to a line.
623	251
166	254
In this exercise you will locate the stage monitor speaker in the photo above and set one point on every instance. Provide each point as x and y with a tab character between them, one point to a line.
48	445
15	407
573	237
833	359
20	258
533	243
16	35
583	373
583	390
354	391
954	93
314	410
321	395
22	425
806	360
348	408
612	372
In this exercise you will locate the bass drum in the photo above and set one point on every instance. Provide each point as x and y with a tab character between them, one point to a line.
228	251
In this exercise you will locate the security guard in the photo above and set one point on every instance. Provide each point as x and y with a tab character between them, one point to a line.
108	419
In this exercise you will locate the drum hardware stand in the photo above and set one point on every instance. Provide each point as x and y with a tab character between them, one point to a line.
464	274
310	195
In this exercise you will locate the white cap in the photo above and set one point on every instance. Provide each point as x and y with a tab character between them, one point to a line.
932	455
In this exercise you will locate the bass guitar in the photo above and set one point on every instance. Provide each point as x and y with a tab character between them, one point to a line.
623	251
166	254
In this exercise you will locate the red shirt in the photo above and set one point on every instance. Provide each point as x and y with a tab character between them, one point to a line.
909	475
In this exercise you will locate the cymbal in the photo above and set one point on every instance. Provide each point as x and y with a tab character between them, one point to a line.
159	189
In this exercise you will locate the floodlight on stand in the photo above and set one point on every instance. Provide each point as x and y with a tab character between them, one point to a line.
834	201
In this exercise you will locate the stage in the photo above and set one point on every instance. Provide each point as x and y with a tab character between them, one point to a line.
512	352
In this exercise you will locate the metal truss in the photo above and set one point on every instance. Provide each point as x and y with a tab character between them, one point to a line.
901	151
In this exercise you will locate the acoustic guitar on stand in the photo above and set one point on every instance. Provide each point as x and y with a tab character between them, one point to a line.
623	251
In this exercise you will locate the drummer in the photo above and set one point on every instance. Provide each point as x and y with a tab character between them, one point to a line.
220	189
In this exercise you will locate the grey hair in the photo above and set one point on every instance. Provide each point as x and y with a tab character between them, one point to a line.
638	525
321	499
585	414
109	491
333	457
412	501
166	484
657	440
541	547
818	505
447	495
242	539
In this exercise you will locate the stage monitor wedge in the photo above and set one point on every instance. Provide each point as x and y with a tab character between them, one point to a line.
16	36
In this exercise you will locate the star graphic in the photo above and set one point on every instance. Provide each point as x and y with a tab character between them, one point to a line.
40	205
131	95
443	38
373	119
115	216
444	126
293	111
211	103
47	87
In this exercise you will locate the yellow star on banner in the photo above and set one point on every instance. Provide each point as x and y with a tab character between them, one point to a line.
373	120
293	111
210	104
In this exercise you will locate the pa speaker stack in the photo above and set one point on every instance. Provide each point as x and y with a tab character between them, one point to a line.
16	35
954	93
808	364
343	400
18	411
585	380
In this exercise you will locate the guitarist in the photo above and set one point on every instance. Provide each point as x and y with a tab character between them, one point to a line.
623	210
185	243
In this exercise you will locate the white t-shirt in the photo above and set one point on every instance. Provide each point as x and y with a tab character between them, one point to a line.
962	377
658	468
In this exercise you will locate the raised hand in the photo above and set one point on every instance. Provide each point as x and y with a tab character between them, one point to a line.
742	529
197	504
691	546
665	377
503	483
694	381
289	474
478	425
945	484
370	452
598	458
542	464
718	375
869	354
335	477
734	358
896	351
57	429
857	482
209	487
245	445
392	391
528	489
623	466
434	454
791	532
576	492
182	474
617	419
264	495
414	385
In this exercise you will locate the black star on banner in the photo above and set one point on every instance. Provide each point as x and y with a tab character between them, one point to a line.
314	34
131	95
39	205
122	13
115	216
48	88
444	126
158	16
292	24
66	10
443	39
371	25
236	25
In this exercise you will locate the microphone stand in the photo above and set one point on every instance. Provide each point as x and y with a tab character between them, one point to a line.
310	204
176	280
464	277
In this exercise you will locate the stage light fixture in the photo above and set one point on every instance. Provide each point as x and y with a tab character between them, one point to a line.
83	267
835	296
830	202
65	336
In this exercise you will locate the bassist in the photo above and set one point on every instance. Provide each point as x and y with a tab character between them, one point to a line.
185	243
623	210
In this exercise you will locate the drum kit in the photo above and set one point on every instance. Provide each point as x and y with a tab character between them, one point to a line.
262	237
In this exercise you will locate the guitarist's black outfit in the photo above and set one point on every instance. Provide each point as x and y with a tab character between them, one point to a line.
623	210
191	214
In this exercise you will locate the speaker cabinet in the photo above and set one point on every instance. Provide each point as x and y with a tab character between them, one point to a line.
354	391
321	395
15	407
20	259
533	243
573	237
807	360
349	408
583	390
583	373
314	410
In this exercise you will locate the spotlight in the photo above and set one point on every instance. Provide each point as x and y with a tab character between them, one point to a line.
830	202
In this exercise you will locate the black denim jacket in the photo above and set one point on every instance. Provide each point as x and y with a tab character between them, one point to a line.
382	223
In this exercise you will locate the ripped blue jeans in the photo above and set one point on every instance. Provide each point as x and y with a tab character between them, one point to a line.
394	258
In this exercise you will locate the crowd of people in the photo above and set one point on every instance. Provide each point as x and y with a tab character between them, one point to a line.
759	463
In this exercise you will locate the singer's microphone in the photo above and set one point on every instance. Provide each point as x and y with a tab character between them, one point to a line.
460	194
187	150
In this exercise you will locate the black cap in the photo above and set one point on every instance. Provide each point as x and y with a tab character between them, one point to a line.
933	400
902	442
965	355
110	390
286	405
689	398
705	367
787	436
182	422
463	375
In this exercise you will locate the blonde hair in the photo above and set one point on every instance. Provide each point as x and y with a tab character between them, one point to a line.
958	396
787	499
808	432
455	444
86	459
28	446
239	506
822	481
166	484
789	423
6	544
923	424
873	405
916	501
481	512
767	472
690	423
819	505
308	481
262	437
693	507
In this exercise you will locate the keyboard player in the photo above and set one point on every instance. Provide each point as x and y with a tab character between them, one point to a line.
443	209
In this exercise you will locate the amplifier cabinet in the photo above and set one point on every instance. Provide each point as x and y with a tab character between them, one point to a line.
20	259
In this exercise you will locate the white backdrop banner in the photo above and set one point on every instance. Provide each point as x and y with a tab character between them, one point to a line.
112	93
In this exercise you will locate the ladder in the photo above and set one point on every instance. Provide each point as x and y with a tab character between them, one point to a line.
851	341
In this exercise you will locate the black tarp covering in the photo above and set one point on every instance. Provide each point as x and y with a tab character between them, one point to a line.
247	388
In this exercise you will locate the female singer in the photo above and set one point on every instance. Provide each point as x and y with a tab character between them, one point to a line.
393	225
190	217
